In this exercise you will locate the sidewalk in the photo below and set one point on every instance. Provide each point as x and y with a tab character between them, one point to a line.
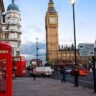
47	87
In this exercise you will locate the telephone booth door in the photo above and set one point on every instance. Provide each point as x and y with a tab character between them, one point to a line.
5	69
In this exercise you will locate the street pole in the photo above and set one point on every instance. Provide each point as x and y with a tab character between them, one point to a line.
94	73
37	50
76	83
76	70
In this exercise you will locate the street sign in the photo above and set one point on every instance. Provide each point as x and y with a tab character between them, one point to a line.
86	49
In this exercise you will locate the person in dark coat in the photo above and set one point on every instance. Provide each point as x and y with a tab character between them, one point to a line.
63	73
33	74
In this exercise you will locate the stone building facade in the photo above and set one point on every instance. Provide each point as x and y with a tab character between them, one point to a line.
1	11
11	25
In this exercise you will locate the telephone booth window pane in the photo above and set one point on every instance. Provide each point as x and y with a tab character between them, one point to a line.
23	58
3	75
18	59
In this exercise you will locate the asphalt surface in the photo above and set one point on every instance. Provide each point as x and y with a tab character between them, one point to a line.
85	81
26	86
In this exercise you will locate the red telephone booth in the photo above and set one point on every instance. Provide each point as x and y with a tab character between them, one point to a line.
5	69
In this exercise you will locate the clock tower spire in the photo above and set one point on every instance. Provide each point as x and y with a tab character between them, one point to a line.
51	25
51	6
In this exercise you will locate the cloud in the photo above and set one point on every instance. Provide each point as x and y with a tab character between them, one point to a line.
28	49
32	33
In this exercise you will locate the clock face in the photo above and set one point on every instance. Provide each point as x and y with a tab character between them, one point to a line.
52	20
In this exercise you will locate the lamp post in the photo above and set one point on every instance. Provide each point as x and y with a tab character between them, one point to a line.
74	29
37	48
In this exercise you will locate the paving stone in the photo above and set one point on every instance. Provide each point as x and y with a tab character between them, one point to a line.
26	86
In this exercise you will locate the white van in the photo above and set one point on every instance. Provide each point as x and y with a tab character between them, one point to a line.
45	71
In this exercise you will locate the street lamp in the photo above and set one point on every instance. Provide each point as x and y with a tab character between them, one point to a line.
74	29
37	48
72	1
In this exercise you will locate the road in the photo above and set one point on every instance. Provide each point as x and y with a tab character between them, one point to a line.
86	81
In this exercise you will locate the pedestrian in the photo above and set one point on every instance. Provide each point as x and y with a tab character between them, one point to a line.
63	74
33	74
13	70
34	77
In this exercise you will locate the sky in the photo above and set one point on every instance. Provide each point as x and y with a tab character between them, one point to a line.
33	20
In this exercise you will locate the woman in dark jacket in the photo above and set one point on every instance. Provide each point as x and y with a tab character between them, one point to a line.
63	73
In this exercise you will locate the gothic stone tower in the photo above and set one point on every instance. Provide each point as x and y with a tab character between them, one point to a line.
51	25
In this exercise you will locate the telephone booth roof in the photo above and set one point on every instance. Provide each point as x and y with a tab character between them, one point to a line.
5	46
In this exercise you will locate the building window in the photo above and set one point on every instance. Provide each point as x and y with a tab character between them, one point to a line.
12	36
1	36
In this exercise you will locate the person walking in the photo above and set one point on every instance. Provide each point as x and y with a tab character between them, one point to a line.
63	73
33	74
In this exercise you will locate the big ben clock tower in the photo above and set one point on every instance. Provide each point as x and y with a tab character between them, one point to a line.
51	24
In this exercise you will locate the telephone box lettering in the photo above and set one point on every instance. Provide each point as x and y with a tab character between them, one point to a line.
3	51
2	61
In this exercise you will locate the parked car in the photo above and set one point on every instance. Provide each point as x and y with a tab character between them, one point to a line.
82	71
68	70
42	71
